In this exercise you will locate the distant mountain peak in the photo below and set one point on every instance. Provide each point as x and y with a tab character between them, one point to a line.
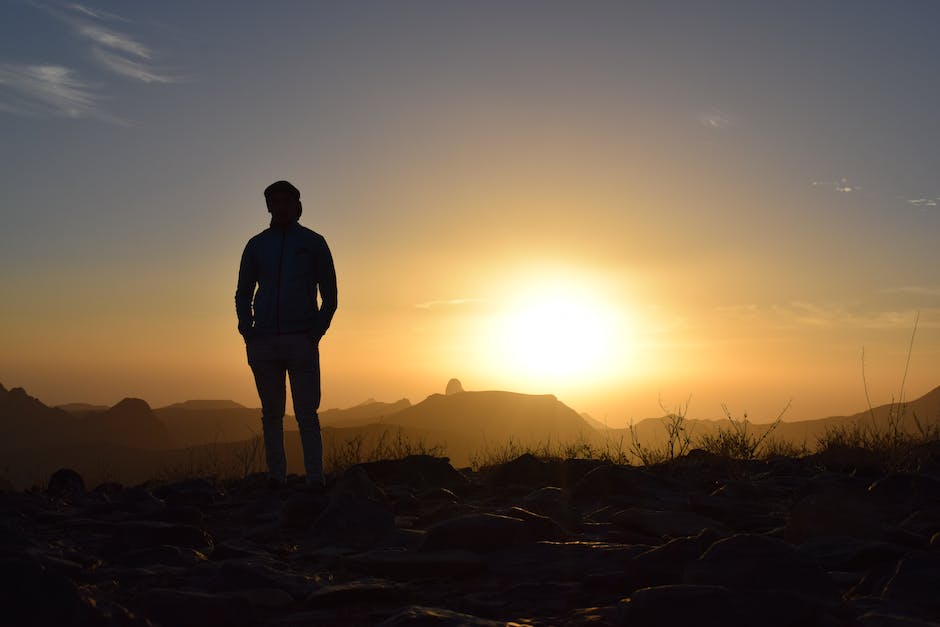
131	404
453	387
206	405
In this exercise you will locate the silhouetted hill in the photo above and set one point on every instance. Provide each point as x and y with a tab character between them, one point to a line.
202	422
651	431
131	422
495	417
80	409
202	405
597	424
365	413
26	422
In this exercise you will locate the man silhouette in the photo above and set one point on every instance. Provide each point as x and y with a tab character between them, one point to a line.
282	324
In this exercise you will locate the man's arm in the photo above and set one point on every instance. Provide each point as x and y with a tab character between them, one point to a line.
326	283
245	292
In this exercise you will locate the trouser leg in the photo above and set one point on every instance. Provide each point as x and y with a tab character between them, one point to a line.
269	371
303	368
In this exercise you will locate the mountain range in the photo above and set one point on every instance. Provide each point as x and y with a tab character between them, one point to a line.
131	441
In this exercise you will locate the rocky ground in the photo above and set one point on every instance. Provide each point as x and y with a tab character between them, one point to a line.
825	540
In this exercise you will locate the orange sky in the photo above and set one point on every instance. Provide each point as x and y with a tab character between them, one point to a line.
615	206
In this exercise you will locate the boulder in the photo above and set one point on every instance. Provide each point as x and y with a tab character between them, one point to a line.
417	616
189	608
65	483
352	521
421	565
750	562
833	513
477	532
914	582
420	472
366	593
666	524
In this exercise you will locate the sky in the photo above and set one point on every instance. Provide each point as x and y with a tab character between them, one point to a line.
630	205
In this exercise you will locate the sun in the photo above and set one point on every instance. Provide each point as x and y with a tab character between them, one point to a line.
552	335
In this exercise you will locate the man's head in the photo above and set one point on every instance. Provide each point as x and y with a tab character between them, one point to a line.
283	200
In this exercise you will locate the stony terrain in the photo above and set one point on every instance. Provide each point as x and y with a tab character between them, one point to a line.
824	540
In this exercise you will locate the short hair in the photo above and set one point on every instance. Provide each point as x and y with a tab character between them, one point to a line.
282	188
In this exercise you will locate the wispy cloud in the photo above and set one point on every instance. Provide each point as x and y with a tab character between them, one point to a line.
715	120
130	68
916	290
46	90
803	314
924	203
114	40
842	185
98	14
453	302
59	89
116	51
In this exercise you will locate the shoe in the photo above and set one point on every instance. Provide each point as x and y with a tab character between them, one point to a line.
273	484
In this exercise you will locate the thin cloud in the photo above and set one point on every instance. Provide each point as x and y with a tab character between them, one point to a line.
715	120
115	50
129	68
916	290
454	302
46	90
98	14
804	314
114	40
924	202
842	185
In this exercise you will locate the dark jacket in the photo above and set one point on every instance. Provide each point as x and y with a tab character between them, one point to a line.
289	265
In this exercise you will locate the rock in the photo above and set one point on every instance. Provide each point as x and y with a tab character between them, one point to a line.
65	483
189	608
666	524
845	553
539	527
139	500
907	491
846	459
749	562
675	605
416	471
138	534
299	511
30	594
367	593
832	513
453	387
352	521
164	554
253	573
356	482
421	565
878	619
527	470
719	606
915	582
188	492
417	616
267	598
477	532
626	485
664	564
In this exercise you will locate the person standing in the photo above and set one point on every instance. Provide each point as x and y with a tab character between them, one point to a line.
282	324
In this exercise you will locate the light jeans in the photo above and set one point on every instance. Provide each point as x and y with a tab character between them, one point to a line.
271	357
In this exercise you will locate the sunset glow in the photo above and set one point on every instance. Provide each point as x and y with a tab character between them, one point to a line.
559	334
612	202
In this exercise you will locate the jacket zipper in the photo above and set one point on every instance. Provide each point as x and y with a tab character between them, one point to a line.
277	294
